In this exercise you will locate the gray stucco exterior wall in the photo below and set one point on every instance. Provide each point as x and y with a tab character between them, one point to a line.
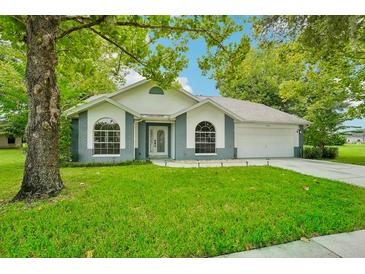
298	151
141	152
180	137
86	155
183	153
75	140
82	142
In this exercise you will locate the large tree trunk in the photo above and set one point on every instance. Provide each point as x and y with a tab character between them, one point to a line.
41	172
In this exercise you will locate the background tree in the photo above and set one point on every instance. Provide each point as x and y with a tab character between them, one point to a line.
258	76
137	43
81	73
12	90
324	38
323	91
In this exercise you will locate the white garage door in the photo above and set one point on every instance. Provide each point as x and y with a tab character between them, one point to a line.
252	142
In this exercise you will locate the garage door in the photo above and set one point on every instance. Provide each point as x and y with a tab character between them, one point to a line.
252	142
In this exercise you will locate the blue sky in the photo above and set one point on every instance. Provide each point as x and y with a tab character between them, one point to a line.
200	84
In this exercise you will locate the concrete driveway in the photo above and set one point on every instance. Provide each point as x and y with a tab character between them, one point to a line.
353	174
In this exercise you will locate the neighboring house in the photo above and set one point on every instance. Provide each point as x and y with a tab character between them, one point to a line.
8	141
143	121
356	138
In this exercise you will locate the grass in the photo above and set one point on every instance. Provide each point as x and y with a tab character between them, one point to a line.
351	154
151	211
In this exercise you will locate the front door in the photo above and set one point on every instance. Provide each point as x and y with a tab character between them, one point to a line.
158	141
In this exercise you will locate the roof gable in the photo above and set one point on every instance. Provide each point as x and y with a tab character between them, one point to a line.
142	100
145	81
208	101
99	100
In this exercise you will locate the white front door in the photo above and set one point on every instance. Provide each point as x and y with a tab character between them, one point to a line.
158	140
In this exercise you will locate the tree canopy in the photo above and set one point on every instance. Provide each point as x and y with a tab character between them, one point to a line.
311	66
337	40
95	52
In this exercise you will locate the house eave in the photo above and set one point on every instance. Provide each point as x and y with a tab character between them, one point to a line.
157	118
74	112
209	101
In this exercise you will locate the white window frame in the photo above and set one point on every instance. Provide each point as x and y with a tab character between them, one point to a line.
107	142
205	142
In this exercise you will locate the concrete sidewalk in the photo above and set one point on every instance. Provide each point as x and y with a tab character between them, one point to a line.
343	245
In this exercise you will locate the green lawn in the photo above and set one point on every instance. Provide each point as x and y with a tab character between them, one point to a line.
351	154
150	211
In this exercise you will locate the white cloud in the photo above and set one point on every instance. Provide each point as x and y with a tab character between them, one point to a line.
184	82
131	76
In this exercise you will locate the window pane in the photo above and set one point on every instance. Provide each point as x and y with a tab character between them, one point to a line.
204	138
106	137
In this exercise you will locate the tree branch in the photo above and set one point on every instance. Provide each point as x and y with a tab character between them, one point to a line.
139	25
68	18
119	64
19	19
106	38
173	28
87	25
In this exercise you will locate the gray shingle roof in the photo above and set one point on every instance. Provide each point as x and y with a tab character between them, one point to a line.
358	135
255	112
94	97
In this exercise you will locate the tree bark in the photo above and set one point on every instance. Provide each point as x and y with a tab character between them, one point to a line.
41	172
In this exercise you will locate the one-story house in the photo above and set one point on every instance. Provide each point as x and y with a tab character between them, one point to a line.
10	141
143	121
356	138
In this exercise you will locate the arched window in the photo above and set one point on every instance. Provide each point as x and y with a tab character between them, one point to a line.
106	137
204	138
156	90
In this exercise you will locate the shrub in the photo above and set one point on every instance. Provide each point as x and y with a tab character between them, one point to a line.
337	140
330	152
98	164
312	153
65	139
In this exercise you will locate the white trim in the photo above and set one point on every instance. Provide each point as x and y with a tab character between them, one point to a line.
136	84
157	118
159	121
106	155
81	107
121	106
205	101
189	94
205	154
97	101
273	122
